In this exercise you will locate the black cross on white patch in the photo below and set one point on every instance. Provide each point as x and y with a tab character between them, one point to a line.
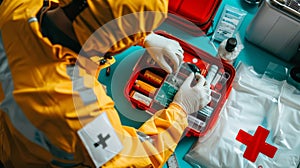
102	141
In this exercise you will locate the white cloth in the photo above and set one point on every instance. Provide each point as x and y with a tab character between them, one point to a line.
253	102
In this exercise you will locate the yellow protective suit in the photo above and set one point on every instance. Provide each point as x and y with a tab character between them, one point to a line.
38	117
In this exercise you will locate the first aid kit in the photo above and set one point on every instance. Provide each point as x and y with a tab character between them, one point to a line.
195	17
276	28
150	88
257	128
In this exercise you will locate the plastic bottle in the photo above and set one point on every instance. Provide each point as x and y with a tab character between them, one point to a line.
228	50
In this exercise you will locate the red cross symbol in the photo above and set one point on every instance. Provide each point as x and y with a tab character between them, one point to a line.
256	144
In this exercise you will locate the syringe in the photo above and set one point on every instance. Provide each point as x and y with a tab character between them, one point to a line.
174	79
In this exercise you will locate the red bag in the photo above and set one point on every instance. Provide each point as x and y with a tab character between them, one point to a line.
193	15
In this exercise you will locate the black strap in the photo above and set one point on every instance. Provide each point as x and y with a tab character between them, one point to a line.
74	8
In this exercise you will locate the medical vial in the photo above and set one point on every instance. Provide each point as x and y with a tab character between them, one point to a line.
228	51
152	77
211	73
146	87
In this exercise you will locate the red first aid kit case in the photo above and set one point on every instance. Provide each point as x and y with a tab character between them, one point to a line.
150	88
199	12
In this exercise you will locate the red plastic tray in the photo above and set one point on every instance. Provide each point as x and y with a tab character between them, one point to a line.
190	53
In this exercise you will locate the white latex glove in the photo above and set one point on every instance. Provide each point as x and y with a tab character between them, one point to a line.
166	52
192	99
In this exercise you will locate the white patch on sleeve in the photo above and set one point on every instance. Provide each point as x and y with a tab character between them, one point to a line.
100	140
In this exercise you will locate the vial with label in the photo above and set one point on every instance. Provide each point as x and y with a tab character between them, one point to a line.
228	51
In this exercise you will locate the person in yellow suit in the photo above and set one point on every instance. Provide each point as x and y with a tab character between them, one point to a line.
53	110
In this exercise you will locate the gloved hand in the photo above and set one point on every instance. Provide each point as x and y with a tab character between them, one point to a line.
166	52
192	99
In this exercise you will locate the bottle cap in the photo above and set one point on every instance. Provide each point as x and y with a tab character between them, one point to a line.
231	44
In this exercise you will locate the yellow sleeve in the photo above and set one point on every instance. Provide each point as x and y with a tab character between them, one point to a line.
150	145
167	127
153	143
